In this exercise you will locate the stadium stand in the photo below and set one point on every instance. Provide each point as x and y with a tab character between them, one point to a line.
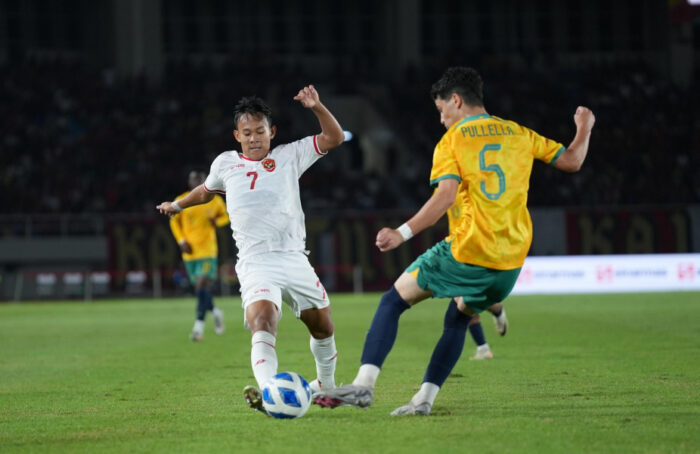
80	141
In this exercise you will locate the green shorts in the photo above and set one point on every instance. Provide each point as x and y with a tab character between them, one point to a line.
438	271
201	267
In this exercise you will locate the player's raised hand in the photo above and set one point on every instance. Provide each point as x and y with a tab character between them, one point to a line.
167	209
388	239
308	97
584	118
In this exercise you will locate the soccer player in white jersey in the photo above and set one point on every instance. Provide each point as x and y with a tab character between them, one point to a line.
262	198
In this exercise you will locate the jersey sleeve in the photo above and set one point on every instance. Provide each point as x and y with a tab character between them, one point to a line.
214	182
444	164
176	222
176	227
221	218
544	149
306	152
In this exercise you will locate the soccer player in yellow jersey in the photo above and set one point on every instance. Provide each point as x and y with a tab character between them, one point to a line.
195	232
485	162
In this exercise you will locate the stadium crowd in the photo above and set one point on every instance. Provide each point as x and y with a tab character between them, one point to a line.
76	140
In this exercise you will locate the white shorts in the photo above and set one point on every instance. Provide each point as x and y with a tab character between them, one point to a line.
281	276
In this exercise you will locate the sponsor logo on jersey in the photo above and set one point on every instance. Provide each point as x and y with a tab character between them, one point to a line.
268	164
237	166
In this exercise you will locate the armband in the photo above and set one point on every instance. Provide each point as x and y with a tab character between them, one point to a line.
405	231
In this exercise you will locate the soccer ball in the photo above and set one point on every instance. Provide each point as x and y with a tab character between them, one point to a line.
286	395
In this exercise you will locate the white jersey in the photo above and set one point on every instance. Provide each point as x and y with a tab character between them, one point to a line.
262	197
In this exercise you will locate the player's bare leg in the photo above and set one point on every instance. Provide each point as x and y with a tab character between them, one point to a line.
409	291
378	343
322	344
262	317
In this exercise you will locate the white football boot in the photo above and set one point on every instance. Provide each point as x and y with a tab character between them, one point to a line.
483	352
501	322
355	395
219	326
197	334
410	408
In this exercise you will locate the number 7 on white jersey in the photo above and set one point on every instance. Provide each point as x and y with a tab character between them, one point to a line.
255	177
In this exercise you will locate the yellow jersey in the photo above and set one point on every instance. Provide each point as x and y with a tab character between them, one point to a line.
458	210
194	224
492	158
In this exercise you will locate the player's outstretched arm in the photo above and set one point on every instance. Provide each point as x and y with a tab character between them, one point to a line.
178	233
331	133
572	158
429	214
197	196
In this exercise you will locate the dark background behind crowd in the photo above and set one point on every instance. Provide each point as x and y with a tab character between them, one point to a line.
105	106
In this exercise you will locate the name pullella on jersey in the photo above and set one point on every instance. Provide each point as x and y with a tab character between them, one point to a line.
493	129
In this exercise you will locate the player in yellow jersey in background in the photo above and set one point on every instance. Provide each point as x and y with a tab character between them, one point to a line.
194	230
484	162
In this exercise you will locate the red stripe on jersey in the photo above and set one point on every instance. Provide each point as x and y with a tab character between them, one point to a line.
318	150
213	190
333	357
246	157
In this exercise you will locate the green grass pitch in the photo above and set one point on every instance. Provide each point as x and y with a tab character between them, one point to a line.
590	373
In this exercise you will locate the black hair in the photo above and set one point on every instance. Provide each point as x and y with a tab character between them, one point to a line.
251	105
466	82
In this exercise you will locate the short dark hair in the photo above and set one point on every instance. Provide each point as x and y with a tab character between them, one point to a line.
466	82
251	105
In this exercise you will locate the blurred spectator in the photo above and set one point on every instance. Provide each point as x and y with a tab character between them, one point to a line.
77	140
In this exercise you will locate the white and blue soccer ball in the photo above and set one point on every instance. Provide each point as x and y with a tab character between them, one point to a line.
286	395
